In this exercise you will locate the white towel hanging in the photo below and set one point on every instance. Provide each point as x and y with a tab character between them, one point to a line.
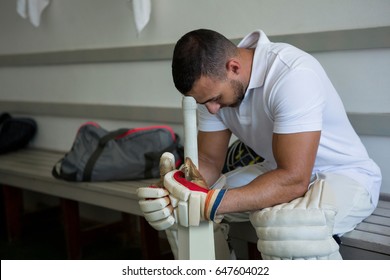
31	9
141	10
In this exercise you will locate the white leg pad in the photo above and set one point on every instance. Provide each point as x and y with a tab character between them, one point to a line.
300	229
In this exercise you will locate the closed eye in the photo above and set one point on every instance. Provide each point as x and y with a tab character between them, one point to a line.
214	99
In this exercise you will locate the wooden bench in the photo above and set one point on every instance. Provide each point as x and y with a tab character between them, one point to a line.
369	240
30	169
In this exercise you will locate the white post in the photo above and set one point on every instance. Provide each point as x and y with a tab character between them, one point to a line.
195	242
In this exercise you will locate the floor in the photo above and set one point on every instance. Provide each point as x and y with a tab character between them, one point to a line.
43	239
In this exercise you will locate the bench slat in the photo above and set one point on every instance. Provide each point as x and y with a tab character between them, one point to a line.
27	161
30	169
34	169
33	154
384	204
378	220
379	229
383	212
367	241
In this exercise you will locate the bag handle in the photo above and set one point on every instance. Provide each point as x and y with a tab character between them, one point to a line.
99	149
56	172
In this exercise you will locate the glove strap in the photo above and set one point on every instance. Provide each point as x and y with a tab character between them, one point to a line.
213	200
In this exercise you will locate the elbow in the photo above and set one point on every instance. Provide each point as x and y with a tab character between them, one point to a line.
301	189
299	185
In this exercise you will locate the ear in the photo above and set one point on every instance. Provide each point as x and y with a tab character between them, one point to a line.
233	66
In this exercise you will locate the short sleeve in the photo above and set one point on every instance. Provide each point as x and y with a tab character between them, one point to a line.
296	103
208	121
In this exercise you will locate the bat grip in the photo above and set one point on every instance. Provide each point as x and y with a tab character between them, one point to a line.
190	129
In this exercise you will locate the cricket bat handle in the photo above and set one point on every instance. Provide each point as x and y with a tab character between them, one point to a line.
190	129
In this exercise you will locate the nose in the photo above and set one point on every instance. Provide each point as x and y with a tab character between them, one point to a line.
213	107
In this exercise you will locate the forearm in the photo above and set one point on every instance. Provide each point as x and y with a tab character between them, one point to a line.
209	170
212	148
295	155
269	189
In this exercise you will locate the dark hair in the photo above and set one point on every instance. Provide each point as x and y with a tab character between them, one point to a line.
200	52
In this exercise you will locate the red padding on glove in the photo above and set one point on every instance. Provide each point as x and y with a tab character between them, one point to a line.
180	177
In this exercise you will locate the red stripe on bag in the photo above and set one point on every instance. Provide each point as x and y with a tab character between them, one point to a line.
134	130
89	123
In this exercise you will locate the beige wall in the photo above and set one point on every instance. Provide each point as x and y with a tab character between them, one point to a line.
74	24
86	24
361	77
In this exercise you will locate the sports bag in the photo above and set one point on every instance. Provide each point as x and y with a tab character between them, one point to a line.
239	155
15	133
123	154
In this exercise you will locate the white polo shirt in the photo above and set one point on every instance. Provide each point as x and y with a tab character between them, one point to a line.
289	92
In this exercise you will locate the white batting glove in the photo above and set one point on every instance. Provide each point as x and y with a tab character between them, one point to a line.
155	201
196	203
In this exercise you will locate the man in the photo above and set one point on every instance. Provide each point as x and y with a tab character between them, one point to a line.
279	101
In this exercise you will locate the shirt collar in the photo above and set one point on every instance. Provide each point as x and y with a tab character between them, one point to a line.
259	41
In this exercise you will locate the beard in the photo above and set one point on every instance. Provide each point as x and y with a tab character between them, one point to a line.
239	92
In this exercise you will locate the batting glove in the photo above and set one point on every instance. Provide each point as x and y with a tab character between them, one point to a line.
156	204
196	203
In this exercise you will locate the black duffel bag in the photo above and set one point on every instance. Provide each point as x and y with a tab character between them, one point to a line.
15	133
124	154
